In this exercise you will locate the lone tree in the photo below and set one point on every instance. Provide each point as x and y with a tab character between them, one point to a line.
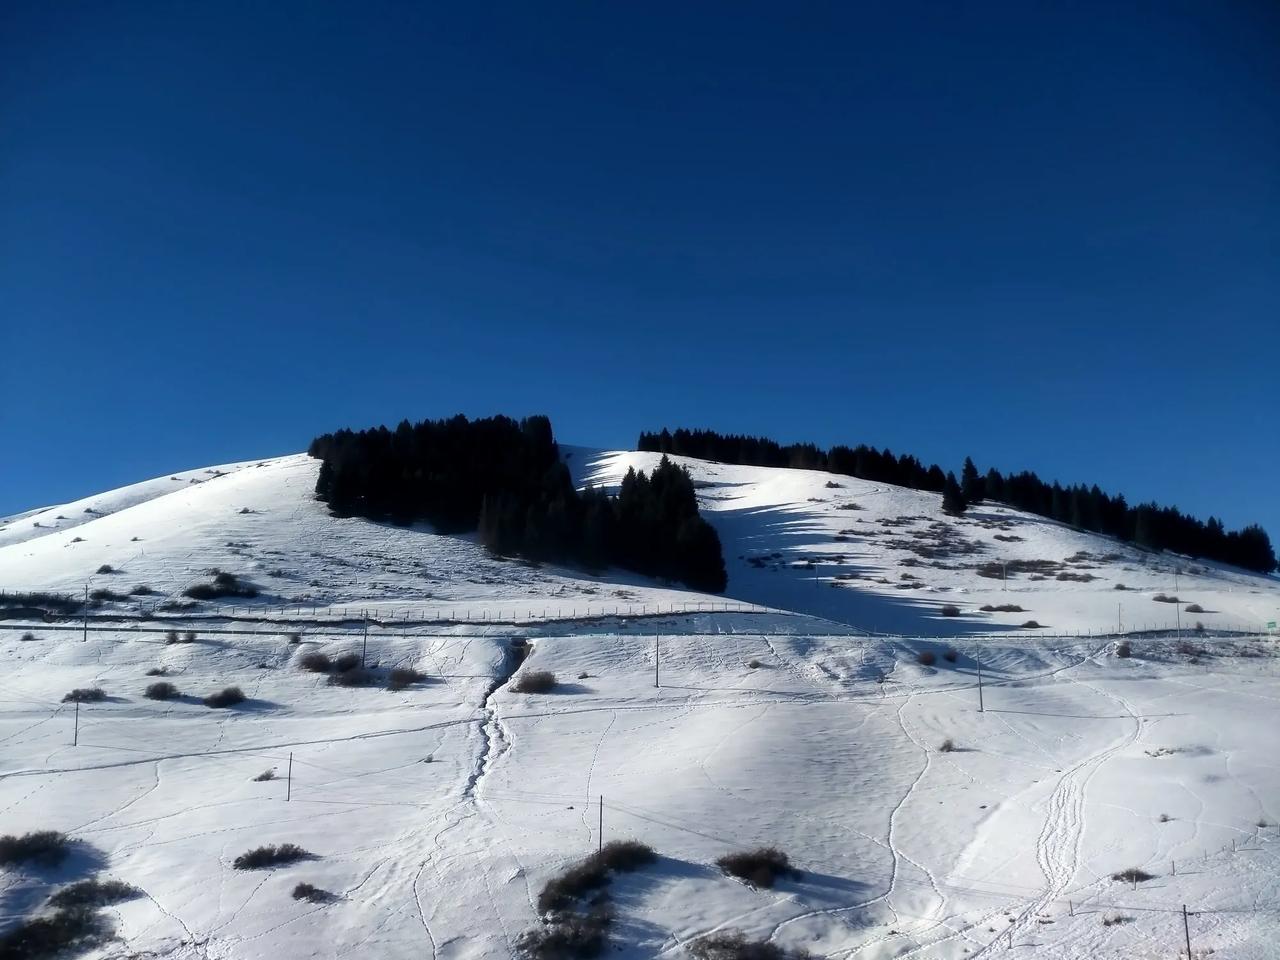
971	482
953	501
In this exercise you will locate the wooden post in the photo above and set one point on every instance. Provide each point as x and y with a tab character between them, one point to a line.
1186	930
288	782
600	832
655	661
980	706
85	635
75	737
365	647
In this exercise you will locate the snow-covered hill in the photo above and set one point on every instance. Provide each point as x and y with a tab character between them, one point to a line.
437	812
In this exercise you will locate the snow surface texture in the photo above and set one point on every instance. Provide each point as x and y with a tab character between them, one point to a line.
437	812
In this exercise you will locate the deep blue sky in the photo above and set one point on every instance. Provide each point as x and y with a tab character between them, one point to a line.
1046	235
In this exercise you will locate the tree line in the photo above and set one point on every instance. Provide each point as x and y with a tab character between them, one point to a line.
504	479
1149	525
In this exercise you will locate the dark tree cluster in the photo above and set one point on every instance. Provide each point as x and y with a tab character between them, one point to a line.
505	479
1085	507
866	463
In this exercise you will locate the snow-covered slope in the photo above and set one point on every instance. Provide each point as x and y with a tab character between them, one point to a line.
437	812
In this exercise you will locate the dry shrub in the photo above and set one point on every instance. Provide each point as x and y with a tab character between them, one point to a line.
760	867
534	681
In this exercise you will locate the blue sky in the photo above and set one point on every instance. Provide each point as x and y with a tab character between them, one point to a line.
1043	235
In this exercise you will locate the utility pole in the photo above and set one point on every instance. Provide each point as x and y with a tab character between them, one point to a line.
85	635
1186	930
75	737
1119	621
600	832
979	663
365	647
655	661
288	782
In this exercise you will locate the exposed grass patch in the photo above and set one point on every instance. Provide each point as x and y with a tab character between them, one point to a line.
161	691
760	867
93	893
48	848
226	697
85	695
534	681
260	858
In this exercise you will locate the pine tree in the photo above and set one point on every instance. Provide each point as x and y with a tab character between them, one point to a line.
971	482
953	502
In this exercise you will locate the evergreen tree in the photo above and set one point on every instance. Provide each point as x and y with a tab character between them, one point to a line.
953	502
971	482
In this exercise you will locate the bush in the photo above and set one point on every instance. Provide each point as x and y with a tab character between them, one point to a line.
359	677
93	893
1123	649
625	856
157	672
346	661
1119	586
1133	875
950	610
102	594
171	637
311	893
141	590
272	856
950	655
580	878
948	746
59	933
223	585
28	637
226	697
48	848
568	935
85	695
1002	608
189	637
1165	598
264	776
1031	625
926	658
315	661
753	664
107	568
295	638
401	677
535	681
1194	608
161	691
734	946
760	867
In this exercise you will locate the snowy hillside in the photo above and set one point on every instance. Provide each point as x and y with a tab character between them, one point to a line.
435	813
